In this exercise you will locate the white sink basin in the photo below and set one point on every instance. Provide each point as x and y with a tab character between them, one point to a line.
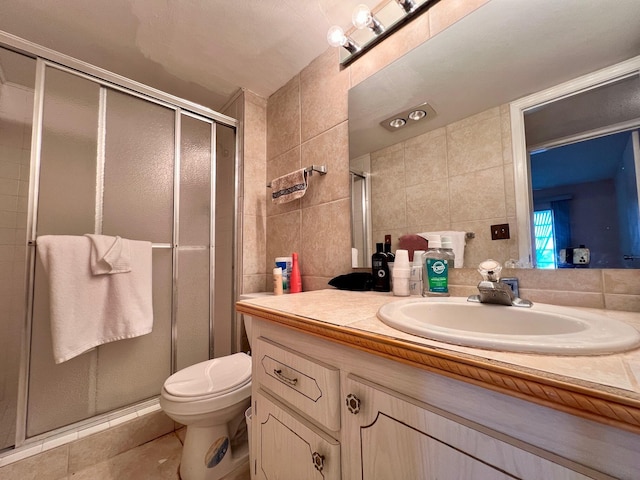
546	329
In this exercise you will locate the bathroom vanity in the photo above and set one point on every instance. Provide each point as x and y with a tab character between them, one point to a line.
337	394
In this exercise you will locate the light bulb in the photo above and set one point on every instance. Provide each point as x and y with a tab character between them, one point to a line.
397	122
417	115
361	16
336	37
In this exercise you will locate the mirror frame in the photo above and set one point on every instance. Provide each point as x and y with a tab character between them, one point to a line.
521	164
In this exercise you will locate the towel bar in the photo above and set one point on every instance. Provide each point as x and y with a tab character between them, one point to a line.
321	169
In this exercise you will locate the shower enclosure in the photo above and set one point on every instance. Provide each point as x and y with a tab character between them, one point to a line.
84	151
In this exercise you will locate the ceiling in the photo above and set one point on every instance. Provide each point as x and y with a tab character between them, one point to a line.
199	50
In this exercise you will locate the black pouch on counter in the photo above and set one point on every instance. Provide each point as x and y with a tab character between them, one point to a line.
356	281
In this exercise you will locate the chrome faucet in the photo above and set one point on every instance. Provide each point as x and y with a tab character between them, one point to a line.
492	290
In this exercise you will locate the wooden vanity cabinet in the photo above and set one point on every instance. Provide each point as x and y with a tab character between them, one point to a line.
317	416
391	436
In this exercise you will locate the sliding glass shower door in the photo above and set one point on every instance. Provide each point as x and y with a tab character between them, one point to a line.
111	161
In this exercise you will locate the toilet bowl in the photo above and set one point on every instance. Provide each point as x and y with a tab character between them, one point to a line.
211	398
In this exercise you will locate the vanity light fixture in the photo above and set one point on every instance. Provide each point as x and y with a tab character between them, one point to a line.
363	18
407	5
337	38
409	117
370	29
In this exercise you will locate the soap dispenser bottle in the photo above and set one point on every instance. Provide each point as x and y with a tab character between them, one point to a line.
380	270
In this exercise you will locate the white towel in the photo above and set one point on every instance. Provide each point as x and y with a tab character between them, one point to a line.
458	240
289	187
109	255
89	310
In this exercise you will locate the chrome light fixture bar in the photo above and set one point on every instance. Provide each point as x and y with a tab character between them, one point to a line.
370	29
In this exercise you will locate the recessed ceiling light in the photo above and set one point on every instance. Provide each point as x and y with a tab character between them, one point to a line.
417	115
397	122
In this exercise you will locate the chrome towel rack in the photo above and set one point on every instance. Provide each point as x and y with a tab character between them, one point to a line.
321	169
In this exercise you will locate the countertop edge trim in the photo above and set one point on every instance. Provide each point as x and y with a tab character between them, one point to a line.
574	399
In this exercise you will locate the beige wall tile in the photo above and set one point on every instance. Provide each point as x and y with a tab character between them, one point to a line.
425	157
329	148
283	237
444	14
583	280
478	195
564	298
49	465
323	94
387	169
389	211
482	247
316	283
281	165
630	303
283	119
255	154
256	283
254	244
622	281
428	203
474	147
326	240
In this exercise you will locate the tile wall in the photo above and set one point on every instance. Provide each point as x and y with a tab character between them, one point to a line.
306	123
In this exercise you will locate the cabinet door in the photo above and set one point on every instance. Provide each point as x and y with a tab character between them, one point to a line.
389	436
289	448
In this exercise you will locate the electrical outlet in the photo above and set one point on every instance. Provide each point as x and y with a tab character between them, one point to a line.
500	232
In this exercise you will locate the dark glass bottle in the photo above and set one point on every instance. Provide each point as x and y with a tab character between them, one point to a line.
380	270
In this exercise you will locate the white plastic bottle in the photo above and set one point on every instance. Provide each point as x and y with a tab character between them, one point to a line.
415	279
401	274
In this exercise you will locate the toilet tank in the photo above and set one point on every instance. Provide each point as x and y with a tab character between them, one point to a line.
247	318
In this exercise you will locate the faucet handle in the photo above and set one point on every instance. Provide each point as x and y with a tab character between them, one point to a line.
490	270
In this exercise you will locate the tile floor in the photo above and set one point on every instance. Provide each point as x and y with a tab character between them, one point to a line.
156	460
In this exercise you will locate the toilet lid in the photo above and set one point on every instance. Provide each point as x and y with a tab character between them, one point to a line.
211	378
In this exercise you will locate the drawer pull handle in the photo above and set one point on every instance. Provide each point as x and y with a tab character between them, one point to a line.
318	461
278	373
353	403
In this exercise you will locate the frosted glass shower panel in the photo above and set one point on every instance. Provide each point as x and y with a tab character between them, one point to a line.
139	169
16	108
195	182
134	369
68	154
193	312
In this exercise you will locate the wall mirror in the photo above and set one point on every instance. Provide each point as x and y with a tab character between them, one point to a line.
469	73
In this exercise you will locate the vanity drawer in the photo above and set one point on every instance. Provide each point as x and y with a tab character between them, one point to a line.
310	386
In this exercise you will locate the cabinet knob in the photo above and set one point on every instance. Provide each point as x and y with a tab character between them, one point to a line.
318	461
353	403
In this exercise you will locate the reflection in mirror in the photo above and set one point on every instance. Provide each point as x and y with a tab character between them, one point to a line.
455	170
581	141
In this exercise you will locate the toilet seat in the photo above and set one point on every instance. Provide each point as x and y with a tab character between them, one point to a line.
208	386
210	378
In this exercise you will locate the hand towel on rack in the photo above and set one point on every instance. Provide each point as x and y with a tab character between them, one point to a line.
458	240
88	310
109	255
289	187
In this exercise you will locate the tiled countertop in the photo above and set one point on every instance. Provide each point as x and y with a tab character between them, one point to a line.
603	387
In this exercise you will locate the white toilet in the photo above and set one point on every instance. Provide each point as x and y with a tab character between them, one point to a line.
211	398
